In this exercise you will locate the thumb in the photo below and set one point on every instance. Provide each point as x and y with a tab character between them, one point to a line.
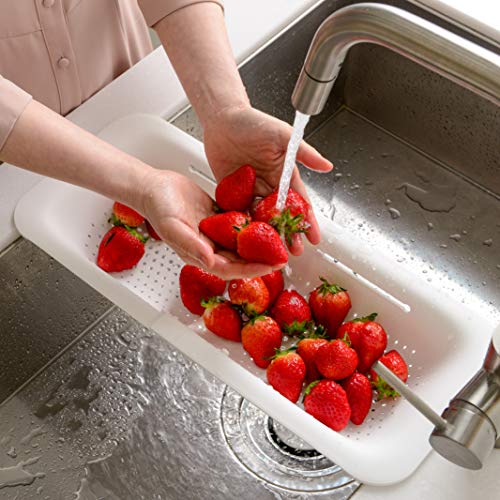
312	159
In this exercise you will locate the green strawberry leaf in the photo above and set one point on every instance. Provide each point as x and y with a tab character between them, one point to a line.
327	288
365	319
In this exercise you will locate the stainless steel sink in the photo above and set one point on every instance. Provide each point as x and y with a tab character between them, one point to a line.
119	414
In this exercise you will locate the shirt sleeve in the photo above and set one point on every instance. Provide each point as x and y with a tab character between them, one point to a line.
13	100
156	10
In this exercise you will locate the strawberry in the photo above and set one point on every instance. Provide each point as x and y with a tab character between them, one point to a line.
395	362
307	348
291	312
274	283
250	293
354	329
359	394
370	344
120	249
293	219
222	319
152	232
125	216
261	336
327	401
197	285
223	228
235	191
259	242
329	305
286	374
336	360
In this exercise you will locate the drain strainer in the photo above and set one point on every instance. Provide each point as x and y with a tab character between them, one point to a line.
273	453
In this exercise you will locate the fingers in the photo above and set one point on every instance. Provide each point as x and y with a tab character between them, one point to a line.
188	244
194	250
232	269
313	233
297	246
312	159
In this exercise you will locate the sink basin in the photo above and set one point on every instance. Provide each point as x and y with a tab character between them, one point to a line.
403	140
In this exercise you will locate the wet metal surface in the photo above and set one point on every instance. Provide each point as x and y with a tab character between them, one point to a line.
43	307
121	415
396	197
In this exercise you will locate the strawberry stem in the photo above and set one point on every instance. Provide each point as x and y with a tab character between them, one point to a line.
310	387
327	287
365	319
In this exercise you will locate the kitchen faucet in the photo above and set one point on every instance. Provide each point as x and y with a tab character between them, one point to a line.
431	46
472	419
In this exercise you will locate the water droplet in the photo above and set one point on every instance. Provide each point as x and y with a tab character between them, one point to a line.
395	214
440	199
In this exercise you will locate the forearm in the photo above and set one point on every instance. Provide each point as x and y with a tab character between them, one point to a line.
48	144
196	41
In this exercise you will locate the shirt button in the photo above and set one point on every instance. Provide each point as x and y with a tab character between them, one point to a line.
63	62
48	3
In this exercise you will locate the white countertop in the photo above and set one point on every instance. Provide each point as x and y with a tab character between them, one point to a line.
152	87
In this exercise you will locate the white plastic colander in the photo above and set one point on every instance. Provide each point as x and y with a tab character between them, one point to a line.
442	341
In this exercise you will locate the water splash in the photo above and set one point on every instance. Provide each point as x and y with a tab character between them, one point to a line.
299	124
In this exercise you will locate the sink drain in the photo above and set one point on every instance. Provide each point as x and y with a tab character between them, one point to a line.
275	455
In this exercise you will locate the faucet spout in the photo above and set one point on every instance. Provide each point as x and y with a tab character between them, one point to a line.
443	52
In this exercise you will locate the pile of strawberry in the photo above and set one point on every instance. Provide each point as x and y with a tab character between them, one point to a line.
250	226
333	359
122	247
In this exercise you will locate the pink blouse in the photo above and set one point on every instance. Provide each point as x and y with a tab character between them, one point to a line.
61	52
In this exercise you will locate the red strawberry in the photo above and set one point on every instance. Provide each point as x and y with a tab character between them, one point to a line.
327	401
394	361
235	191
222	228
370	344
120	249
308	348
359	394
274	283
197	285
152	232
261	336
291	312
250	293
293	219
286	374
259	242
222	319
354	329
329	305
125	216
336	360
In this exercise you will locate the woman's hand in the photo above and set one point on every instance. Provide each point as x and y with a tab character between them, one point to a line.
243	135
174	205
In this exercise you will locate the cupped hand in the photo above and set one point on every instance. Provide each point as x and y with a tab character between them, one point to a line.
174	205
243	135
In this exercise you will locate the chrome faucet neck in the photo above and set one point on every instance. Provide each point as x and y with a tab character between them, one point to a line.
443	52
